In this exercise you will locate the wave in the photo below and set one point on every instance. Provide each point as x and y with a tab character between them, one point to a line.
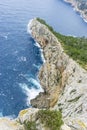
4	35
22	58
36	66
31	92
28	27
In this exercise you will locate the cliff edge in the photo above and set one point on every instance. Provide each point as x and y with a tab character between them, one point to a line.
63	80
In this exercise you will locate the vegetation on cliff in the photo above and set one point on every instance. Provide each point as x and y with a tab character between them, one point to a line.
30	125
75	47
52	119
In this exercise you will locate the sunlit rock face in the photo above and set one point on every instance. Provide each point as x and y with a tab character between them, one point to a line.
63	80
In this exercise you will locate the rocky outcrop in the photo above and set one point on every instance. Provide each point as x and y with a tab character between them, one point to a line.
27	120
52	75
63	80
76	4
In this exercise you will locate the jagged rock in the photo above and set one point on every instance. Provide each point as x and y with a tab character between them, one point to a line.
52	75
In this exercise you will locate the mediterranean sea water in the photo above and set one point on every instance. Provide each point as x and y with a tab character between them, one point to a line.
20	57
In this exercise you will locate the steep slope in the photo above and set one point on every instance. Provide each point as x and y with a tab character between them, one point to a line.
63	80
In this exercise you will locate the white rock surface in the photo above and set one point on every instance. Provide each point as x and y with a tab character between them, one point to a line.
65	127
7	124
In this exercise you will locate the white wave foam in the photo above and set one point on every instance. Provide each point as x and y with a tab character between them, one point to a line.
22	58
35	82
42	56
36	43
29	26
4	35
15	52
36	66
31	92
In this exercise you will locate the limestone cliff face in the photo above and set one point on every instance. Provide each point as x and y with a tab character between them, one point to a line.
63	80
53	75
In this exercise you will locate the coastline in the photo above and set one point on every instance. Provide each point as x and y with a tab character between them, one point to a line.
74	5
36	43
65	91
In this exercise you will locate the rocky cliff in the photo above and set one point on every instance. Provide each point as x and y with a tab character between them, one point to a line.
64	83
63	80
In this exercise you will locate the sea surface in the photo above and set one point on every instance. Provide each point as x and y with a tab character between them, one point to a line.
20	57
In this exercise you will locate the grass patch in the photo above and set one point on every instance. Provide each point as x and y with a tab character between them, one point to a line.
51	119
75	47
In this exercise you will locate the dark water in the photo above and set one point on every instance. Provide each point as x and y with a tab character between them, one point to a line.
20	58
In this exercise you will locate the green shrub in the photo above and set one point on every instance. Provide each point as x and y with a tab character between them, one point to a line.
51	119
30	125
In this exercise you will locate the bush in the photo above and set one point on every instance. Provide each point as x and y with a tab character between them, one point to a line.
51	119
30	125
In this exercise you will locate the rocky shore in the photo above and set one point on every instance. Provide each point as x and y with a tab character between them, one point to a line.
75	4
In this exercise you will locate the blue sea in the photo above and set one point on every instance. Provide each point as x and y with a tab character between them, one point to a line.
20	57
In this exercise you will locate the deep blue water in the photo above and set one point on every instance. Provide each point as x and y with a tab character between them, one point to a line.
20	58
